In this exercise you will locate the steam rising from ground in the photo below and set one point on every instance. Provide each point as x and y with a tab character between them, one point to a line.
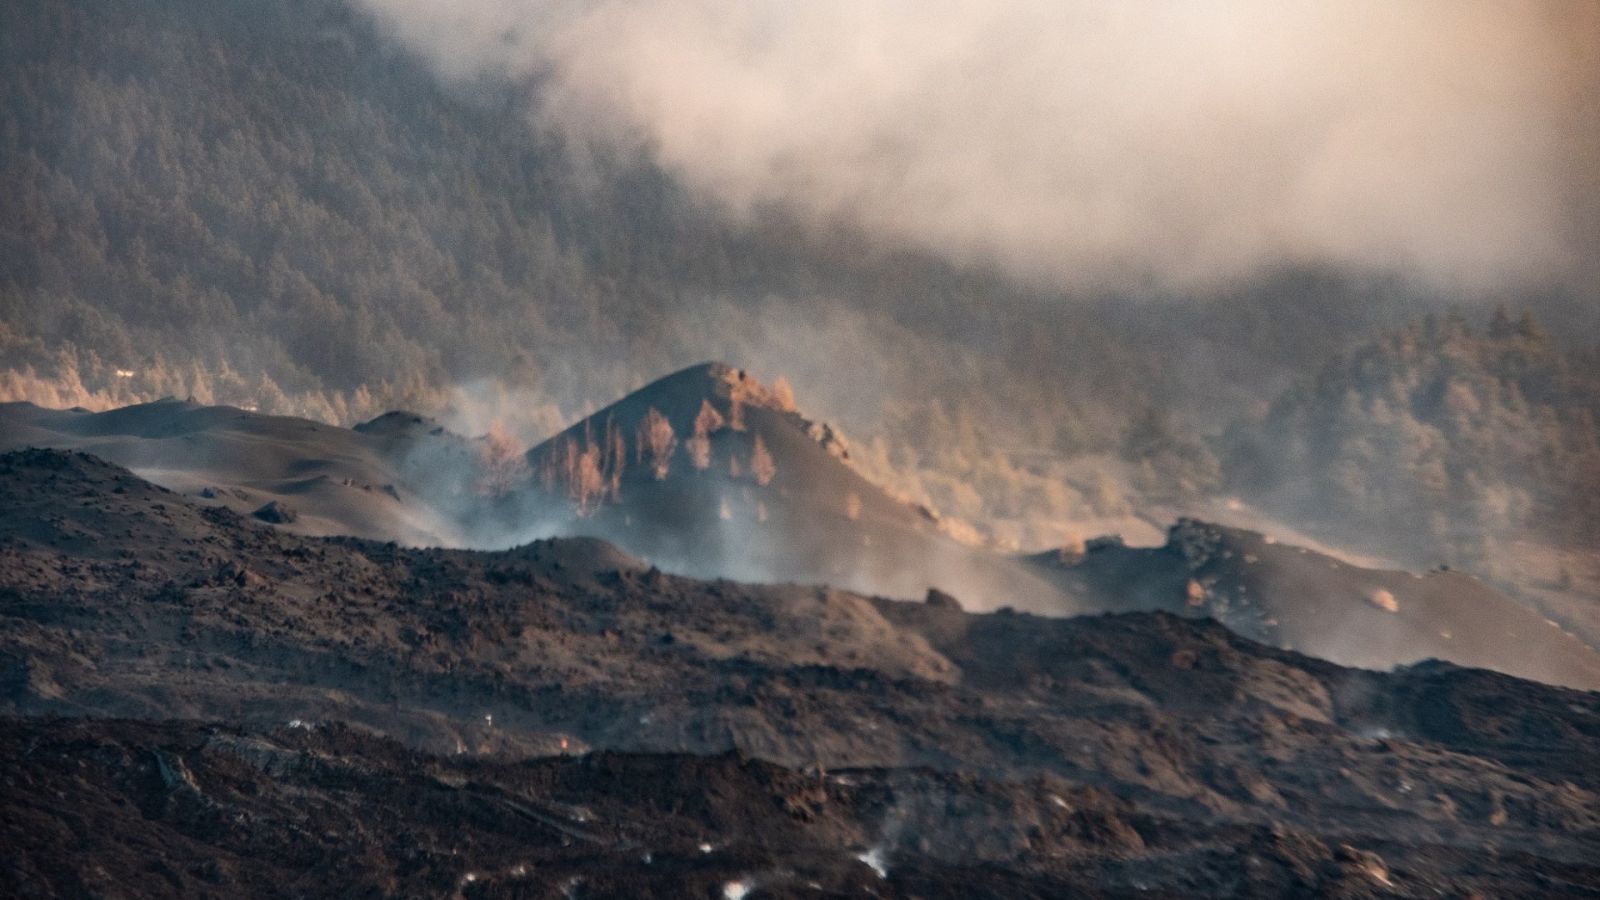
1087	143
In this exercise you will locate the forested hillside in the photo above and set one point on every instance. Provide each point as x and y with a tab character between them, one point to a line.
273	192
1451	436
265	191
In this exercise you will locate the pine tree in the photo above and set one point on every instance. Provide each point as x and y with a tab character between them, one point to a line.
656	442
699	445
761	463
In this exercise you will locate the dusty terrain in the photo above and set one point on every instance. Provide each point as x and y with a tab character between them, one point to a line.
532	694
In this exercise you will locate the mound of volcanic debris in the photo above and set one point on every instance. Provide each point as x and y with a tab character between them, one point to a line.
1295	597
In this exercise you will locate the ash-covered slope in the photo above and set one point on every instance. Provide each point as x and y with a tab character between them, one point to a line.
390	479
118	598
711	472
1293	597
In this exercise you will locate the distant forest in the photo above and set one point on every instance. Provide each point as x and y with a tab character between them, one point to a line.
1438	433
264	203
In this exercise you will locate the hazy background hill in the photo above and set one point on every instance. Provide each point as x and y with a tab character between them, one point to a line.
1449	433
275	205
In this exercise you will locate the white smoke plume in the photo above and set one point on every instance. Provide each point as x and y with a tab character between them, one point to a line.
1090	144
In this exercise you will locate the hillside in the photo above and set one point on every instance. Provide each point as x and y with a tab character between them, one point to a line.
121	599
796	511
1290	596
709	471
1445	443
269	204
306	476
1436	438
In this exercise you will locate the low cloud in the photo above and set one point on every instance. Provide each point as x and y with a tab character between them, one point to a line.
1085	144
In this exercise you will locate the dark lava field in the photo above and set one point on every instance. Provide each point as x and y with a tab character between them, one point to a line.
199	704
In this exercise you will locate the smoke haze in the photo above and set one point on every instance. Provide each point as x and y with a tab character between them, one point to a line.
1084	144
